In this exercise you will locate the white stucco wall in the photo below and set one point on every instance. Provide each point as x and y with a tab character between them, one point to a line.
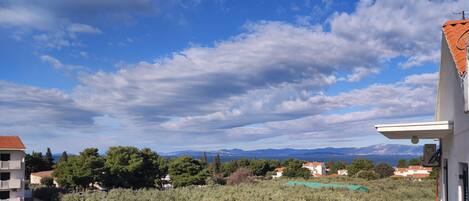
451	107
17	173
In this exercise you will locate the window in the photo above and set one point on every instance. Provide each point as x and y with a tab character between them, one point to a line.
445	167
4	176
463	179
4	195
4	157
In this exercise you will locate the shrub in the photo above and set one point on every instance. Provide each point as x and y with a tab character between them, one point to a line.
358	165
367	174
46	193
384	170
380	190
215	179
47	181
242	175
295	169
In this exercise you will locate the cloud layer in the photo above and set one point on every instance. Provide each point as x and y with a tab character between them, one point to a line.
268	82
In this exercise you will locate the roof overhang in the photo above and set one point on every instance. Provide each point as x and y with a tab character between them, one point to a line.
423	130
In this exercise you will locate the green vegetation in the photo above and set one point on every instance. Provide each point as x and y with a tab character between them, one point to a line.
379	190
294	169
138	174
384	170
36	162
186	171
358	165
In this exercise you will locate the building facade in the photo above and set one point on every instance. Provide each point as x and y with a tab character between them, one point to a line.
12	168
317	169
413	172
451	125
278	172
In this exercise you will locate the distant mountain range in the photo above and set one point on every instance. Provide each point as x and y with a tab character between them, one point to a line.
379	149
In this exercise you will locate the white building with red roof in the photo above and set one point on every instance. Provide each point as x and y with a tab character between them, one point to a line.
317	169
12	168
451	125
414	171
278	172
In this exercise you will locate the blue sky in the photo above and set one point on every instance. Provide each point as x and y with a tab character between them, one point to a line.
174	75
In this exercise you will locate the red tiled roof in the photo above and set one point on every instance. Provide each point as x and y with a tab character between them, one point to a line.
11	142
456	34
313	164
279	169
43	173
418	167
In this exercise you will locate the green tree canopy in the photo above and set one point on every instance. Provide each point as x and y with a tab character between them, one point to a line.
402	163
63	157
35	162
415	161
260	167
49	159
294	168
185	171
359	164
384	170
129	167
216	165
78	172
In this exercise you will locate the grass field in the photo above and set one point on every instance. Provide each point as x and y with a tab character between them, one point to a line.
380	190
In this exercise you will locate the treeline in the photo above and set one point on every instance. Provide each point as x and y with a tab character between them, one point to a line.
130	167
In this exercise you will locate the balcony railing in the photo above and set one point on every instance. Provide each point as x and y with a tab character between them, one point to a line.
10	165
10	184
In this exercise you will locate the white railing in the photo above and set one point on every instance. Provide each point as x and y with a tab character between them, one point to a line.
9	184
10	165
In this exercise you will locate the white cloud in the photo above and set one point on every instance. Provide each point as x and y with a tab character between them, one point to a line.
82	28
25	17
58	65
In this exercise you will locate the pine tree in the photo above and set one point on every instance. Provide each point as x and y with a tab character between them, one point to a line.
204	160
63	157
49	159
217	164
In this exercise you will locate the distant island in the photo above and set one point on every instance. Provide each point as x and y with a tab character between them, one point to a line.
388	153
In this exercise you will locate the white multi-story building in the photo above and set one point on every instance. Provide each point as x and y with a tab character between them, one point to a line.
12	168
317	168
451	125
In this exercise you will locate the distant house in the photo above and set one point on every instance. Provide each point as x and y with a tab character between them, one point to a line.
342	172
317	169
413	172
37	176
11	168
278	172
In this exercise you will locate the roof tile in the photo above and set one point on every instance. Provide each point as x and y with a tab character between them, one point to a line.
11	142
456	34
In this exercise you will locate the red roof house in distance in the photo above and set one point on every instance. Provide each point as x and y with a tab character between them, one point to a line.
317	169
12	168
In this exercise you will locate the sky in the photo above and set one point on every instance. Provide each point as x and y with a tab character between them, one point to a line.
208	75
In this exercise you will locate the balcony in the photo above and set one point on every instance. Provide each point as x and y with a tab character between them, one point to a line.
10	184
10	165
